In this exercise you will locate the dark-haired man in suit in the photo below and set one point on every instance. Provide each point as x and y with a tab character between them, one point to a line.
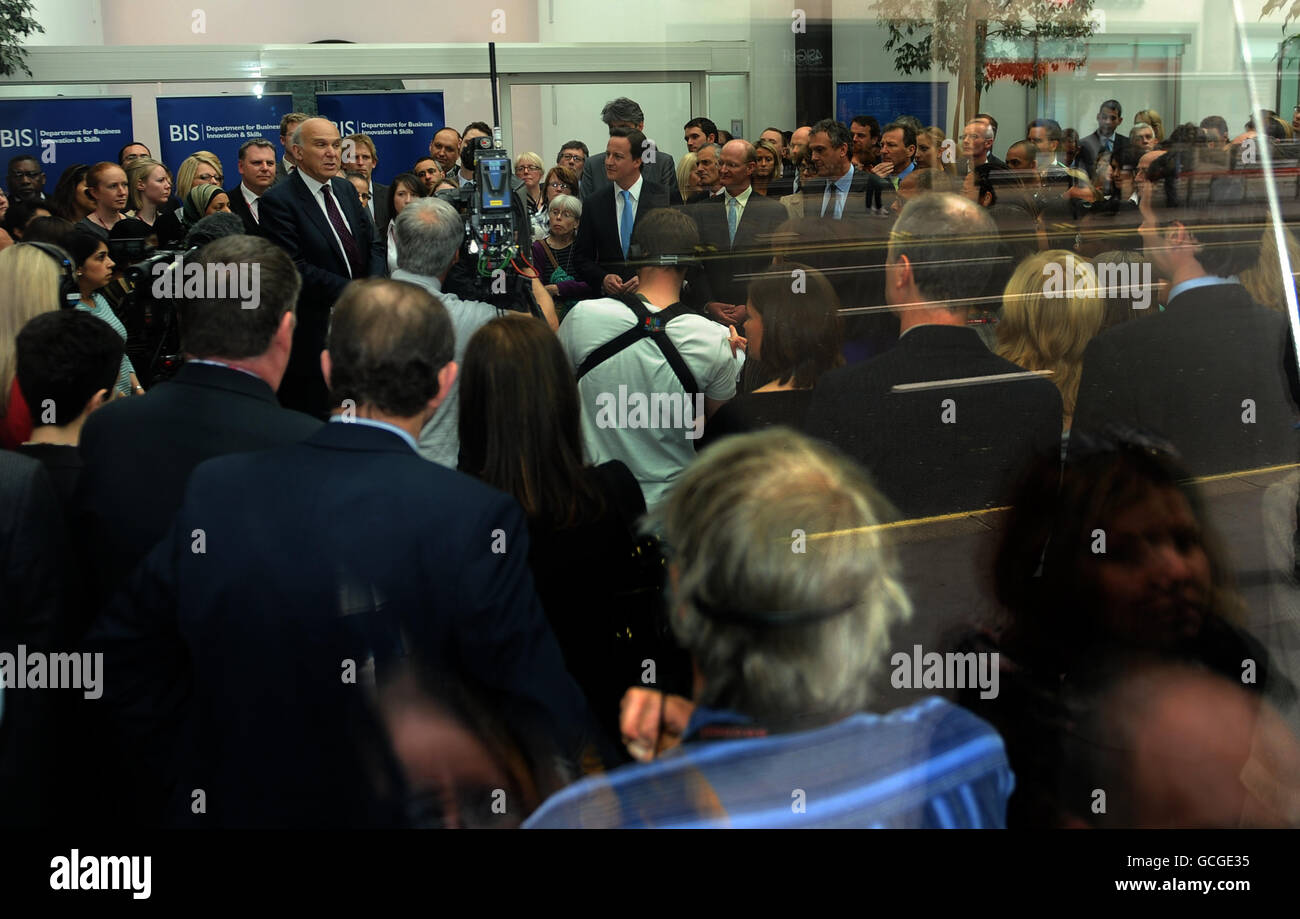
316	217
246	669
610	215
256	176
1209	373
1109	117
933	440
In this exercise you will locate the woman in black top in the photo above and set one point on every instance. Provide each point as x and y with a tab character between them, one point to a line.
106	186
520	432
795	333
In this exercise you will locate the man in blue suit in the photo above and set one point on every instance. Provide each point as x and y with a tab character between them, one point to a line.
296	579
316	216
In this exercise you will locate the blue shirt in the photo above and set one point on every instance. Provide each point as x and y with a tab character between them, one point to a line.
930	765
843	183
383	425
1207	280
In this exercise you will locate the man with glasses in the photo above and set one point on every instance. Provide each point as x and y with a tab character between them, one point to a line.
26	179
573	156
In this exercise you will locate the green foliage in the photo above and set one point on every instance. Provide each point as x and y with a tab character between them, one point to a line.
16	23
962	36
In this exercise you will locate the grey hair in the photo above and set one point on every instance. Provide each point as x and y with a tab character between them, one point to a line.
717	151
566	203
946	239
428	232
622	109
296	136
775	521
989	133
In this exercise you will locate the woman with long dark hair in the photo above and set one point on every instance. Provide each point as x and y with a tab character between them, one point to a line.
520	432
405	187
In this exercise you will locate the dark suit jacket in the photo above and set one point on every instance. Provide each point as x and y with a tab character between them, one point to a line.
138	454
33	579
750	252
926	455
663	171
295	222
1184	374
855	205
280	172
1092	145
379	198
598	251
239	207
347	548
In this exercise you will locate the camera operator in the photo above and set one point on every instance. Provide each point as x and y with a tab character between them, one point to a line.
475	274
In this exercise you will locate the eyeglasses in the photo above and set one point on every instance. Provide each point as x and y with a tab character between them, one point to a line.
519	169
208	177
364	195
575	157
559	186
26	175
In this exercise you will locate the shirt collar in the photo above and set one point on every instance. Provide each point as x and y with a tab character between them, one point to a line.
742	199
249	195
845	182
910	166
432	284
212	363
313	185
382	425
1207	280
635	189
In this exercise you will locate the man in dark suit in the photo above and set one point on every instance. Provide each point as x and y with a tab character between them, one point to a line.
738	233
139	452
840	192
897	162
608	219
316	217
1109	117
1209	373
937	437
247	665
256	176
626	114
287	165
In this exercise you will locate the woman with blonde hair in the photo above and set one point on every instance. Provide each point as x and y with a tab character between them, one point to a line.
1152	117
149	189
686	181
767	166
29	286
529	169
1050	311
201	168
929	149
1263	280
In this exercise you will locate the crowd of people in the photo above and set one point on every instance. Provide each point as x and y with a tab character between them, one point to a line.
380	552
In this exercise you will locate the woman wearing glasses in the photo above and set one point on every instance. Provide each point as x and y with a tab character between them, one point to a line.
200	168
529	169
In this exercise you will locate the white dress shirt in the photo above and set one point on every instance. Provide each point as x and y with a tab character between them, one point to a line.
314	186
251	200
635	189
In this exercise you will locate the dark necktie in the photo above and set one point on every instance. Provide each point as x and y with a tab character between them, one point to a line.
350	249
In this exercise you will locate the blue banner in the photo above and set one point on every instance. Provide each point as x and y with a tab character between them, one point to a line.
401	124
886	101
64	132
220	125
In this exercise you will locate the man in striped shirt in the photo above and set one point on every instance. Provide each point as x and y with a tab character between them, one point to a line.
784	591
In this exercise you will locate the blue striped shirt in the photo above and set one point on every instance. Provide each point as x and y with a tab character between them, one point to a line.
931	765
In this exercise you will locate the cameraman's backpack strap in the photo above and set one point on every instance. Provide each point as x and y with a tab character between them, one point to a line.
648	325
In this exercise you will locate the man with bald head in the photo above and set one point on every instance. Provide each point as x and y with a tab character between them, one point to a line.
799	150
316	216
738	233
